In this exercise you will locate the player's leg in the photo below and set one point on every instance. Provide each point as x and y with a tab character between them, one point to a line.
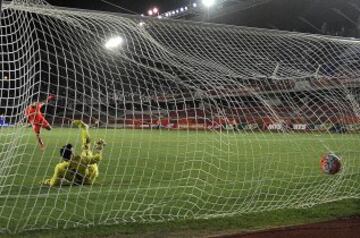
59	175
40	141
45	124
37	129
85	135
95	156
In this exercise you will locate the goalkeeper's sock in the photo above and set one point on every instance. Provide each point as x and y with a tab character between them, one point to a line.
80	124
99	145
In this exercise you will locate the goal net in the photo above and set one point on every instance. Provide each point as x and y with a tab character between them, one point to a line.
200	120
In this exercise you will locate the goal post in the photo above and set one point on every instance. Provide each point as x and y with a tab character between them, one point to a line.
200	120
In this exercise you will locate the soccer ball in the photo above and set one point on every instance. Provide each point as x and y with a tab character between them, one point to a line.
330	163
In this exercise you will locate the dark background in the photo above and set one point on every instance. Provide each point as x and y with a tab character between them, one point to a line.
139	6
332	17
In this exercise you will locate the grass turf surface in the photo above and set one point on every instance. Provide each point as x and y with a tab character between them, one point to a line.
152	175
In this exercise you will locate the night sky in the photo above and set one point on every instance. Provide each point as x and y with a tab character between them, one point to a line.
342	17
139	6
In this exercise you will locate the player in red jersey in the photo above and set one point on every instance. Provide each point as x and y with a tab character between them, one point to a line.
37	120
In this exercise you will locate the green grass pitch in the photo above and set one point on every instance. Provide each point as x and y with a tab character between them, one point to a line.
160	175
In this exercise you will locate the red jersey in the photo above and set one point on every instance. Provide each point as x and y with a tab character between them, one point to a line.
34	114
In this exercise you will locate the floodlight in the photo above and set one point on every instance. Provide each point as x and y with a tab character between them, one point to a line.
150	12
155	10
114	42
208	3
181	9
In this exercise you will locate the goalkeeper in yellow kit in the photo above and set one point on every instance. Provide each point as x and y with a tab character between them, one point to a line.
78	169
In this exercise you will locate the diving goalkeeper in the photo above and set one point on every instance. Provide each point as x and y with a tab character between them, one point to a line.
78	169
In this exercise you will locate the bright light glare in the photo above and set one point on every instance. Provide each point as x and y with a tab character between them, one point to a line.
155	10
181	9
150	12
114	42
194	4
208	3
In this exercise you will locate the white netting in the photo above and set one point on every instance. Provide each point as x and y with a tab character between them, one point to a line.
201	120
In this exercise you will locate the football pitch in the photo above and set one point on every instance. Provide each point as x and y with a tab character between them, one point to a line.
160	175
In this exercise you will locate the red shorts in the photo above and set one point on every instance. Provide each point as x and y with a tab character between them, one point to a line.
38	124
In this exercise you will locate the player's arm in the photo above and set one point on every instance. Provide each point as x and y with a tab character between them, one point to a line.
38	106
47	100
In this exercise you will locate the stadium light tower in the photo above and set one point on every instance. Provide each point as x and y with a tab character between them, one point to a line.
114	42
208	3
